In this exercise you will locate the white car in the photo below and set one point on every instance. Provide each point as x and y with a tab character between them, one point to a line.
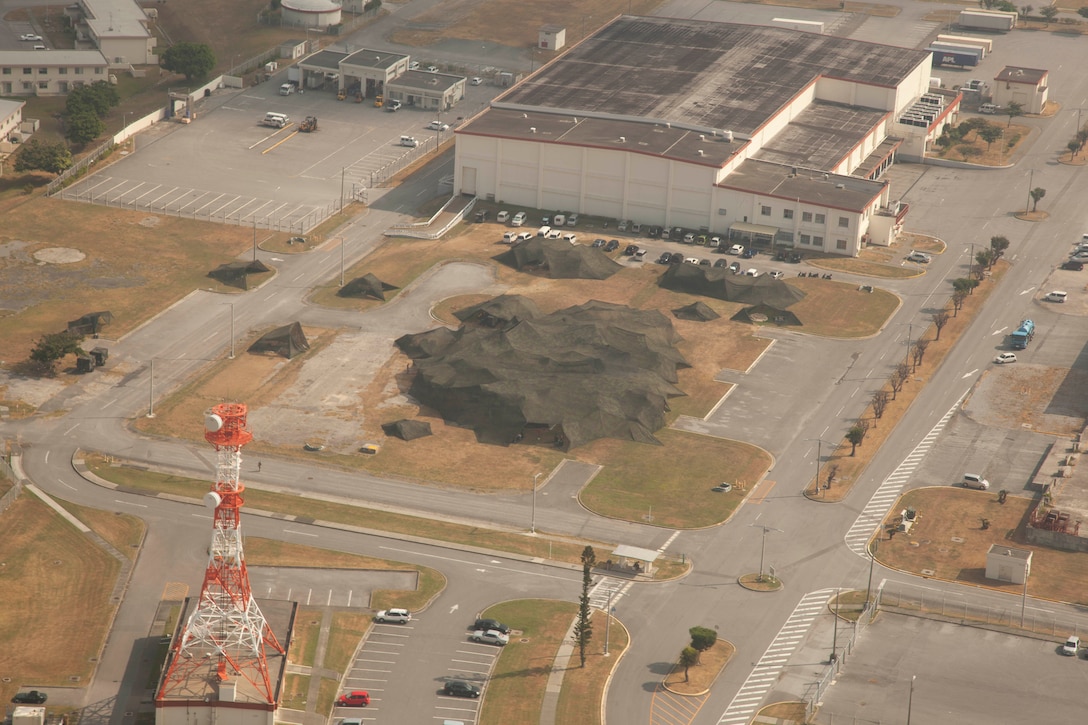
751	272
476	81
438	126
1071	646
502	217
737	250
414	65
920	257
31	36
491	636
393	616
777	274
518	219
287	89
432	69
1005	357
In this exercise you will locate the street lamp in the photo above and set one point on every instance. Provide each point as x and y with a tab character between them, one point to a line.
342	243
231	330
608	620
151	392
532	524
872	560
763	545
819	452
910	698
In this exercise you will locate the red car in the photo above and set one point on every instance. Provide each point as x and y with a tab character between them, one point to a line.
355	698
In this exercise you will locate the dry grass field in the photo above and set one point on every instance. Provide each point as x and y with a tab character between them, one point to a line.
57	588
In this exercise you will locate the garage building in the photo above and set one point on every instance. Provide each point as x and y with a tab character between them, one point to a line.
760	133
427	91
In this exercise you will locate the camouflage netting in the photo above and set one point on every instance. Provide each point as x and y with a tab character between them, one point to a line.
722	284
90	324
500	311
559	259
288	341
407	430
765	313
697	311
366	286
597	370
236	274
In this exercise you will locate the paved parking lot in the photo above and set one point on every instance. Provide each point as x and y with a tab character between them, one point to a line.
226	167
327	588
962	675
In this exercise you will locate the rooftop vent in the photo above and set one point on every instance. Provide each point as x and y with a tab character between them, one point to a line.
701	152
623	139
532	129
702	137
728	136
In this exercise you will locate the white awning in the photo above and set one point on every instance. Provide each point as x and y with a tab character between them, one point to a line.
761	229
633	552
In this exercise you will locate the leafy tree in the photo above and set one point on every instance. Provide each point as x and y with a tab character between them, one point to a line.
958	298
372	6
1014	109
880	403
1082	138
193	60
998	245
1036	194
583	628
1074	147
989	133
940	319
688	656
966	284
702	638
985	258
83	127
1005	5
99	97
1083	12
1025	10
857	434
1049	12
53	347
36	155
968	150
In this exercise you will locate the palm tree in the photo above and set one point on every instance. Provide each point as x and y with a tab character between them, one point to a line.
1036	194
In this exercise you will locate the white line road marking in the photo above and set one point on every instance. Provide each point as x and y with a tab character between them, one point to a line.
300	533
500	568
998	332
128	503
967	375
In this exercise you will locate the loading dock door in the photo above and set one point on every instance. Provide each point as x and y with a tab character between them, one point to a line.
468	180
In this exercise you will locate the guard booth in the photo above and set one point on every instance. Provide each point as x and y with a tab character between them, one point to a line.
632	560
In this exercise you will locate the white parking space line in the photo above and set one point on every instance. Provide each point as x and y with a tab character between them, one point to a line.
205	206
152	190
857	538
215	211
764	675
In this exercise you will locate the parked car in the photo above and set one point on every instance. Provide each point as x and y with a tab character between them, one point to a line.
654	233
973	480
287	89
1056	296
437	125
691	260
920	257
630	250
31	37
735	267
737	250
482	215
502	217
545	221
543	231
721	263
613	245
748	253
677	234
1073	265
414	65
704	262
665	258
432	69
475	81
988	108
572	238
715	242
518	219
1071	646
490	636
622	226
751	272
554	234
676	258
689	238
636	228
572	220
559	219
777	274
460	688
598	243
395	616
1080	256
355	698
34	697
1005	357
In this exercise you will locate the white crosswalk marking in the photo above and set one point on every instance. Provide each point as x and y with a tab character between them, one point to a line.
857	538
765	674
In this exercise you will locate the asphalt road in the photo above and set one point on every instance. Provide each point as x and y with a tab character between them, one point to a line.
831	380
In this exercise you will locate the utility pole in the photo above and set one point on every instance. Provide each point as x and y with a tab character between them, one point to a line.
763	545
835	630
608	620
231	330
532	524
342	243
254	239
872	560
151	392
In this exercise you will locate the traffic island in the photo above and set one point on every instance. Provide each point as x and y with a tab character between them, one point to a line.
697	679
760	583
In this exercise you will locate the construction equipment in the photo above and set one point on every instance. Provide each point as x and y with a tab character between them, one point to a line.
341	95
377	101
310	124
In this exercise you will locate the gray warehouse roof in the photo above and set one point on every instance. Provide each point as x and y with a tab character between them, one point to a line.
821	136
705	75
835	192
325	59
421	80
376	59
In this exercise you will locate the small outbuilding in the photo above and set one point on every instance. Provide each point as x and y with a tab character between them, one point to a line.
633	560
551	37
369	71
407	430
1006	564
427	91
1027	86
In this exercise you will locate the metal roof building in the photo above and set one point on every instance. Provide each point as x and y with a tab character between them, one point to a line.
720	126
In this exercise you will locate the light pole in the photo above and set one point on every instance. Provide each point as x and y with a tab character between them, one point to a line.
342	242
1031	180
231	330
151	392
819	452
763	545
835	630
608	620
532	524
910	698
872	560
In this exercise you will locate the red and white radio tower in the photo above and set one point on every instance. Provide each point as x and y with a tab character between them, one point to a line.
227	634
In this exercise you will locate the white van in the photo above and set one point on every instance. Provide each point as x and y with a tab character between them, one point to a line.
287	89
559	220
553	234
518	219
275	120
524	236
502	217
409	141
1056	296
572	238
543	231
973	480
509	237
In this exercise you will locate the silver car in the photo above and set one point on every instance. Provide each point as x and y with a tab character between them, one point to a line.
490	636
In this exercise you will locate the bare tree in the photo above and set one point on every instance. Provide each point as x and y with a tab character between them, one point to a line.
918	352
880	403
958	298
940	319
832	471
899	378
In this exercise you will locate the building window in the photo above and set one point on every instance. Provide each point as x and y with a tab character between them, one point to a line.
7	71
806	239
817	241
27	71
765	210
787	213
806	216
98	71
722	212
820	219
28	86
43	71
62	71
44	85
840	244
78	71
844	222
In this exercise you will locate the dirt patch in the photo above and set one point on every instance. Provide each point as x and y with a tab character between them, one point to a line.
59	255
1025	396
700	677
973	149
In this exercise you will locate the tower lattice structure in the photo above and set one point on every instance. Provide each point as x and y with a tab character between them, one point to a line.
227	635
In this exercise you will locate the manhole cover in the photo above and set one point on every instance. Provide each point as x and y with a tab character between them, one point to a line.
957	539
928	572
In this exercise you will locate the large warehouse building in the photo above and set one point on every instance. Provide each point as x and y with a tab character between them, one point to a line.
767	134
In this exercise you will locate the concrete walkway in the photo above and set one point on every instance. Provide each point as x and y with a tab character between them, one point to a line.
555	678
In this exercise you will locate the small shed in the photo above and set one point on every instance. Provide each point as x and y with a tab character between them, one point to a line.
428	91
551	37
633	559
1006	564
293	49
1027	86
